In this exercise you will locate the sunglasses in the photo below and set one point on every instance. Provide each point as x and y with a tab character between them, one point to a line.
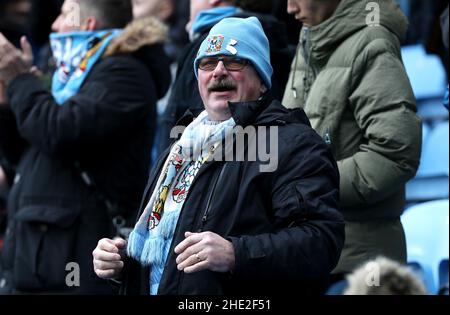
230	63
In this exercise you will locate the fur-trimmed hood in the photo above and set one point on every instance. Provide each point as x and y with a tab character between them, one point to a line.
137	34
144	39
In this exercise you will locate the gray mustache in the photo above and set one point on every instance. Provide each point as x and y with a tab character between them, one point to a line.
222	84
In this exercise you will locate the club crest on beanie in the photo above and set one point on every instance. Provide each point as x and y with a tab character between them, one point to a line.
242	38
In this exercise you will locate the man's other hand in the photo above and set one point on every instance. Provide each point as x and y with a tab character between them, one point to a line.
205	251
108	258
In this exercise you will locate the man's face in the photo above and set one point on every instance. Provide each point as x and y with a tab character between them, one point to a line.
312	12
69	20
221	85
145	8
196	7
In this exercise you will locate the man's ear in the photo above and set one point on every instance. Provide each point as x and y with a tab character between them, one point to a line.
91	24
262	89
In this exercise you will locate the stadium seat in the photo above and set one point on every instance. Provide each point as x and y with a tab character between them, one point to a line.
432	110
425	71
426	130
428	80
431	181
427	237
436	151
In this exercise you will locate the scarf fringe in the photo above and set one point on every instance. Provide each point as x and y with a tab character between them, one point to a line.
169	223
149	249
136	243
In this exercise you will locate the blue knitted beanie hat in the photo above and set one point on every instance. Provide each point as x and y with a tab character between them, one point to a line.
242	38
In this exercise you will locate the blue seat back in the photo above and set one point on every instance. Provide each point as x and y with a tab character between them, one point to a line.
434	161
427	236
431	181
425	71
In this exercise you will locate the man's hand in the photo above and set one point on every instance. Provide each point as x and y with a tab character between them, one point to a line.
14	62
205	251
108	258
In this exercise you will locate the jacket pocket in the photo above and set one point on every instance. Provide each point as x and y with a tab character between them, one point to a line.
45	245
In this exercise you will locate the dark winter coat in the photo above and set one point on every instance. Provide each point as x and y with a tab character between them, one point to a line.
54	218
285	225
185	95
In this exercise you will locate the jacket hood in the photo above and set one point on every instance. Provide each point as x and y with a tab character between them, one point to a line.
139	33
350	17
144	39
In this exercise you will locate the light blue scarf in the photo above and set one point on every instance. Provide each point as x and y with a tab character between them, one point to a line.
211	17
75	54
156	224
150	241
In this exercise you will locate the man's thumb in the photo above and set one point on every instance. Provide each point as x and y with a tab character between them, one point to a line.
26	49
120	243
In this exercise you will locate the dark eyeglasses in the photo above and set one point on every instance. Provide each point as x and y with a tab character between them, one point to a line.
230	63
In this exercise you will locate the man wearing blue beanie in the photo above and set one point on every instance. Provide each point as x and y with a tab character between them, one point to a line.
242	38
203	16
210	225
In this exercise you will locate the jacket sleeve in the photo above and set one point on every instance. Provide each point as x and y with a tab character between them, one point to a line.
384	109
308	233
11	144
117	93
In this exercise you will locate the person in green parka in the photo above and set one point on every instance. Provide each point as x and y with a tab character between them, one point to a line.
349	78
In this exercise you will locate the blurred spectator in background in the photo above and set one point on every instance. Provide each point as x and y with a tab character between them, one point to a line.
349	78
424	27
383	276
163	10
292	25
82	151
177	24
43	14
160	9
204	14
13	19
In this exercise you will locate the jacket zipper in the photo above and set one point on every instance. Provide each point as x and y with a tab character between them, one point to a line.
211	195
208	204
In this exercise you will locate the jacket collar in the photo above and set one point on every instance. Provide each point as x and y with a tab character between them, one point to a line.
247	113
265	111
